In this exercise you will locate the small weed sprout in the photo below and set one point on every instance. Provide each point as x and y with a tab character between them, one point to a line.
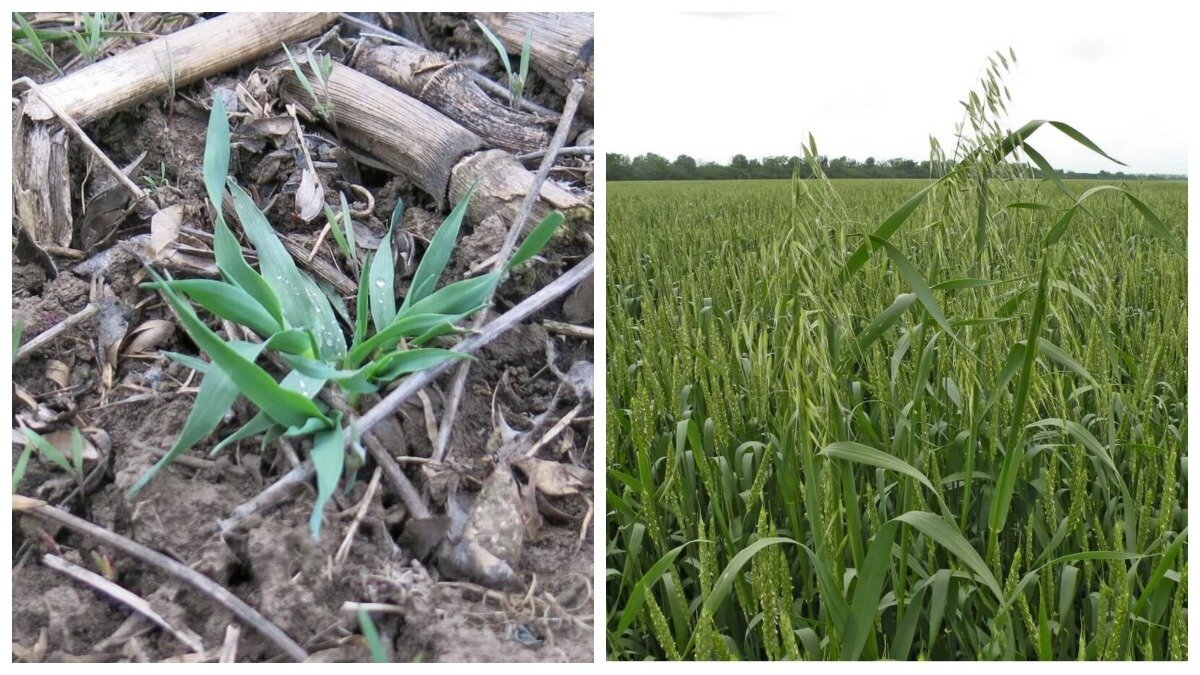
159	182
371	635
88	43
516	79
322	68
17	330
73	466
32	47
297	323
166	66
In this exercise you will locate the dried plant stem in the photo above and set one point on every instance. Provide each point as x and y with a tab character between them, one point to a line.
233	635
274	495
554	430
69	123
363	506
170	566
575	150
570	329
44	338
123	596
480	79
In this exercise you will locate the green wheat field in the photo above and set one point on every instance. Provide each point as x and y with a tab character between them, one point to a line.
828	438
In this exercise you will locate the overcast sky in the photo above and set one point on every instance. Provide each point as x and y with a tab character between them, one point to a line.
877	82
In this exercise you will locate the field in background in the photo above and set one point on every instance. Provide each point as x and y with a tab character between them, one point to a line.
803	466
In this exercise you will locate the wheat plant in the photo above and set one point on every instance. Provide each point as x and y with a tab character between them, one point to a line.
899	419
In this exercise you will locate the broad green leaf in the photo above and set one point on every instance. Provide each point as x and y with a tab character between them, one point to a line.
437	254
862	454
339	235
382	283
918	285
460	297
328	456
216	153
371	636
951	539
227	250
498	45
537	239
886	229
878	326
303	303
22	463
226	301
409	325
47	450
215	398
408	361
18	329
285	407
525	47
1007	481
724	583
637	596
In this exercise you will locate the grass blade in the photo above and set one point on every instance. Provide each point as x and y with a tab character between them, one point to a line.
436	256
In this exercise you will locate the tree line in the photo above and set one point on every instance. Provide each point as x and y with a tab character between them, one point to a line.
651	166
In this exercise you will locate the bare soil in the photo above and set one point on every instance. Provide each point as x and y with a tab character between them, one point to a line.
131	405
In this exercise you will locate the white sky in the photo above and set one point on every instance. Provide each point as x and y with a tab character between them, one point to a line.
877	80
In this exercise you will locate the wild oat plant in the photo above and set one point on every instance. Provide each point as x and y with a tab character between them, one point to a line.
956	429
297	320
516	78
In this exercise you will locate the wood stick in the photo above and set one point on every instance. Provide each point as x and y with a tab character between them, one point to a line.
554	430
274	495
577	151
41	176
207	48
561	49
363	506
438	155
47	336
233	635
446	85
123	596
570	329
412	138
370	30
67	121
172	567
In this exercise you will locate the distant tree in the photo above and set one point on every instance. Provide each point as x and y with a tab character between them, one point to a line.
651	167
683	168
617	167
656	167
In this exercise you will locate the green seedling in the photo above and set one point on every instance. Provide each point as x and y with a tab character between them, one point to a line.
297	324
88	43
343	229
159	182
516	79
322	68
32	45
73	465
371	635
17	330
